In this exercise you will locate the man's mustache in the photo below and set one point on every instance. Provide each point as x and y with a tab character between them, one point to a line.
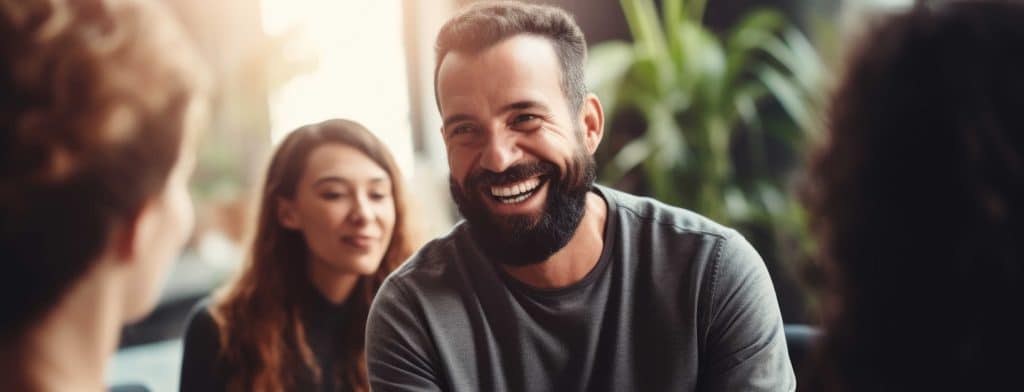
486	178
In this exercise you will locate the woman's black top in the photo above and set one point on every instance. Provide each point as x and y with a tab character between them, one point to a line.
203	369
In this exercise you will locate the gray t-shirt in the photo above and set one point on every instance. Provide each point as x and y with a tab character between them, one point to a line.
675	303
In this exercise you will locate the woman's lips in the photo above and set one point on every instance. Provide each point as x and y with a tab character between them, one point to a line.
359	241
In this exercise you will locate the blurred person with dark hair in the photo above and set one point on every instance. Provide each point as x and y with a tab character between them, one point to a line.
334	221
553	283
917	199
100	106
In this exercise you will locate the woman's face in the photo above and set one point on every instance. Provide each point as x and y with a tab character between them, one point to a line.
344	208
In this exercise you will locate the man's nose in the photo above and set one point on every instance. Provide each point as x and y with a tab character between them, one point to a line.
500	152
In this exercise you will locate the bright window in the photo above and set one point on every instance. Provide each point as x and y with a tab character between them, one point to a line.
360	73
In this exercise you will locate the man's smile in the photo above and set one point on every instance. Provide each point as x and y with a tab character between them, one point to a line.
518	191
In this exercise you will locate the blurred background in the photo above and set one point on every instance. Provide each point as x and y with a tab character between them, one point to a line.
711	110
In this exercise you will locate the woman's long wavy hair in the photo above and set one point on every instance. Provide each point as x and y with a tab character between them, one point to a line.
258	314
917	199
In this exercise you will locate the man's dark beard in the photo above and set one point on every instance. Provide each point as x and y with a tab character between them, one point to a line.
519	240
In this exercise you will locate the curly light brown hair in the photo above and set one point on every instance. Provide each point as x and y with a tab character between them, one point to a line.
95	100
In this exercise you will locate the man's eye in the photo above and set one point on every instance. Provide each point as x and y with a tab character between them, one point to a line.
525	121
462	129
524	118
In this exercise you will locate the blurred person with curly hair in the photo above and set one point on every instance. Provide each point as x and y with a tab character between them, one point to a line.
917	199
100	105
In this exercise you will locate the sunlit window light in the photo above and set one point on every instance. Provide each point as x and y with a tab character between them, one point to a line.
360	72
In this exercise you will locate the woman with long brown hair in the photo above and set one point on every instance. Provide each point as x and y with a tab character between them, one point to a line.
333	223
101	102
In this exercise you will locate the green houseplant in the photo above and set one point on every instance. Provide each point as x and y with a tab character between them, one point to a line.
715	123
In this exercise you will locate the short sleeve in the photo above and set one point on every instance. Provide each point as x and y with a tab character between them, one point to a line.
745	346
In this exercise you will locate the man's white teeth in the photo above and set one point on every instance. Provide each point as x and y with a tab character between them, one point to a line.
516	199
519	188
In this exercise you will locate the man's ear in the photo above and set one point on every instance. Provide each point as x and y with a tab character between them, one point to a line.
134	231
286	214
592	117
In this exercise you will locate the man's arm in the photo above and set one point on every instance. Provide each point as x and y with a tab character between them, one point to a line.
397	345
745	343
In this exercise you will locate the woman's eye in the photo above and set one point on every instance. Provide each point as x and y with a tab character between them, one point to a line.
332	195
378	196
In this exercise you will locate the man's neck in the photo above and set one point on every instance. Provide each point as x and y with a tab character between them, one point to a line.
574	261
70	347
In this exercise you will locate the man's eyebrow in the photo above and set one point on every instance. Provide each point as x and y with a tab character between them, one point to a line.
456	118
522	105
518	105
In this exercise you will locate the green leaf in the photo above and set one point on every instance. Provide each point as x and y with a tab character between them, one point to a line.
737	208
673	19
745	104
644	76
642	18
754	23
608	62
774	201
700	61
672	16
606	69
781	52
809	69
666	136
696	12
629	157
788	95
747	38
662	182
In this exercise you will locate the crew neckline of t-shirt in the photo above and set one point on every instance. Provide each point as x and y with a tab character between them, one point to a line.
322	311
611	222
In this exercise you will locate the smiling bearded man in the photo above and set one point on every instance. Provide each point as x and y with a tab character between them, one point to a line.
524	239
554	283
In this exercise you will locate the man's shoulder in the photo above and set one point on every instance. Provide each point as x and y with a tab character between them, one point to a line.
435	261
435	280
639	211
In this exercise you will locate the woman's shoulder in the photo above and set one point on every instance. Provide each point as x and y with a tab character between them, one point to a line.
201	365
202	328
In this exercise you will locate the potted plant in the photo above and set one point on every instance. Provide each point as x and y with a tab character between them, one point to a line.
715	123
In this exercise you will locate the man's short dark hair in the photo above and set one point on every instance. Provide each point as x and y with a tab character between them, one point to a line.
483	25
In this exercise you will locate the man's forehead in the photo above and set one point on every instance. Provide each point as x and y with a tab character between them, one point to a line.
496	98
524	67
